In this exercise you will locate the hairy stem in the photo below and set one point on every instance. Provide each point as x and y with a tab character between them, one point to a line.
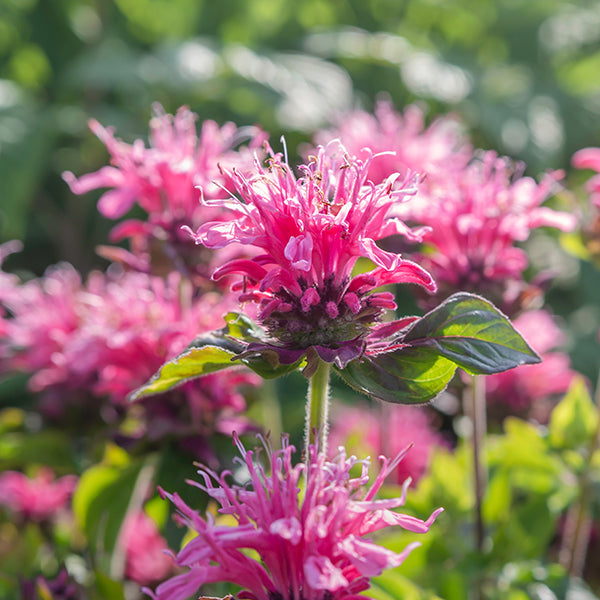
317	408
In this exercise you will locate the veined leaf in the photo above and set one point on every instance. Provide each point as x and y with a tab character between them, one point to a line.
464	331
471	332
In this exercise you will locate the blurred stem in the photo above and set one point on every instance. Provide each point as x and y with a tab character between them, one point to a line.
271	411
317	408
578	526
475	408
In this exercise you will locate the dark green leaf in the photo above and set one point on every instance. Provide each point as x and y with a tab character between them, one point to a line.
472	333
405	376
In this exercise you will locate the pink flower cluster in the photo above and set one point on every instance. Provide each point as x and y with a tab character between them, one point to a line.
38	498
528	388
476	216
107	336
309	545
405	143
163	179
311	231
476	206
386	430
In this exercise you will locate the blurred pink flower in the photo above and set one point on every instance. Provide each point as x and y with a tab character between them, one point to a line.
310	545
108	336
406	144
145	559
476	215
387	431
521	388
589	158
163	179
37	498
311	231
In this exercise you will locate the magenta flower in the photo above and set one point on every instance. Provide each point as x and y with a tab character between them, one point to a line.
527	387
163	179
476	216
145	558
387	431
311	231
406	144
38	498
310	544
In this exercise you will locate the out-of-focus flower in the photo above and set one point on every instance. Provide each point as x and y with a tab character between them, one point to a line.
387	432
311	231
406	144
476	215
104	338
145	559
308	545
589	158
163	179
524	388
37	498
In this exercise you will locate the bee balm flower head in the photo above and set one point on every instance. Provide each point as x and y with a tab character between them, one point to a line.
311	230
311	544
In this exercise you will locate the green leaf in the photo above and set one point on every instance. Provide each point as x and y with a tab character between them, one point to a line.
574	421
464	331
106	493
405	376
191	363
472	333
214	352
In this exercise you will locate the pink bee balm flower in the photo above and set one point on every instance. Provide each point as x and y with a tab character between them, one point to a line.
311	231
310	544
38	498
406	144
476	216
387	432
163	178
523	388
145	558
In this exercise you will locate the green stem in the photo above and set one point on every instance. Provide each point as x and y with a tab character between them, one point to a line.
317	408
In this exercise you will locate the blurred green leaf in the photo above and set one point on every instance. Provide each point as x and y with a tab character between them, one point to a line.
465	331
106	493
574	421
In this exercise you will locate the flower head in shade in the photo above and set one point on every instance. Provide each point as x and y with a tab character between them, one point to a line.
476	216
406	144
387	431
309	544
163	179
310	232
531	388
145	558
36	498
